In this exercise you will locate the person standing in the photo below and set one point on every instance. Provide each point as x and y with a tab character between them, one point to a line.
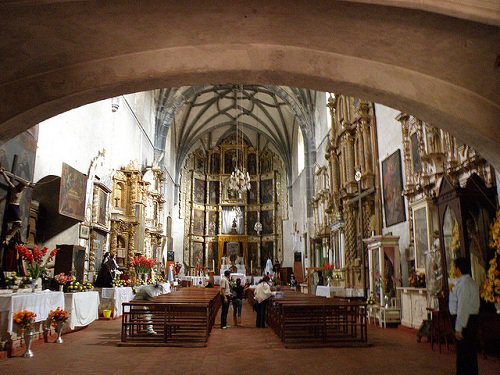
464	308
113	266
262	294
237	302
225	296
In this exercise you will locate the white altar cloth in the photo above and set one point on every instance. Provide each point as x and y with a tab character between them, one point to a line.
323	291
40	303
83	308
119	295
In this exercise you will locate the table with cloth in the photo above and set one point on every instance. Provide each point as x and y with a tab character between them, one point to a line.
83	308
116	296
40	303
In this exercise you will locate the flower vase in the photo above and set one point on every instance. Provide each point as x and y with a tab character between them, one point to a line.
28	338
59	329
36	284
61	287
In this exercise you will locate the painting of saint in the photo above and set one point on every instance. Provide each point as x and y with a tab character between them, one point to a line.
415	155
266	191
213	223
215	163
394	206
72	193
252	193
197	254
251	220
200	164
266	218
103	207
198	222
199	191
214	192
266	165
229	161
252	253
252	164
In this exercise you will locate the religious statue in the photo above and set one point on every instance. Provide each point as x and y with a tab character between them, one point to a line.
234	227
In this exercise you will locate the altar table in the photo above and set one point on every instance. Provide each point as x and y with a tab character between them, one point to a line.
323	291
40	303
83	308
118	295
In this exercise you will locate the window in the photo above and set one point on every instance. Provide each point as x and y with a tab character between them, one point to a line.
300	152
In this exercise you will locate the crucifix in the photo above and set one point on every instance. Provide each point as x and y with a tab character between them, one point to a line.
359	225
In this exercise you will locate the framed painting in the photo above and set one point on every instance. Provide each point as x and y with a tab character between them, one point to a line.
252	193
101	197
199	164
252	164
394	205
84	231
197	254
415	155
421	238
266	252
266	218
266	191
213	223
229	161
198	222
266	164
253	248
213	192
72	193
251	220
199	191
215	163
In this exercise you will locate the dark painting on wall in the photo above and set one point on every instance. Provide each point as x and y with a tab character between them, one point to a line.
200	164
18	155
213	223
215	163
251	220
266	218
170	256
72	193
394	206
266	165
252	193
253	248
266	252
199	191
252	164
415	155
266	191
229	161
198	222
103	206
213	192
197	254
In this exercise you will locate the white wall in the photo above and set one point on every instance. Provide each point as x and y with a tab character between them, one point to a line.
390	138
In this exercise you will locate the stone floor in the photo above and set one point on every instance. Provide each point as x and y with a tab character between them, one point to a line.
237	350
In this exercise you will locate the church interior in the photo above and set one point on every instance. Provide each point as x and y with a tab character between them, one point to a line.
332	148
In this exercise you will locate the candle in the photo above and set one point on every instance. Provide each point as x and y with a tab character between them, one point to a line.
251	266
213	264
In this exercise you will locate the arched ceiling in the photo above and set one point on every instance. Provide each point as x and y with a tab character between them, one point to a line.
57	55
193	113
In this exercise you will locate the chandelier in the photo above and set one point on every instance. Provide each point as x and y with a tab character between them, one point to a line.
239	181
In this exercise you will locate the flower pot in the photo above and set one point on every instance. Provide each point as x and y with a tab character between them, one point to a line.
61	288
107	314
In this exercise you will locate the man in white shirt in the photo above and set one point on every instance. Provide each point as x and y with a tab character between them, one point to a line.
225	296
464	308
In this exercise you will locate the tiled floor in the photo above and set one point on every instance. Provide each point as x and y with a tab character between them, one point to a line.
238	351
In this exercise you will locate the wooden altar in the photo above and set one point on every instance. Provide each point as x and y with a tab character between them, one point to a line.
223	239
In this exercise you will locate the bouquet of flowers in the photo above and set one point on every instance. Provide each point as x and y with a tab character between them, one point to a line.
35	259
57	315
329	269
62	278
490	288
142	264
24	319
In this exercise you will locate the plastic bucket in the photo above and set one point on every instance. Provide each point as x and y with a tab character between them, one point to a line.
106	314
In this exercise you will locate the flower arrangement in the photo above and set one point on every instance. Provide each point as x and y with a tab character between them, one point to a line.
142	264
490	288
62	278
24	319
57	315
35	259
329	268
